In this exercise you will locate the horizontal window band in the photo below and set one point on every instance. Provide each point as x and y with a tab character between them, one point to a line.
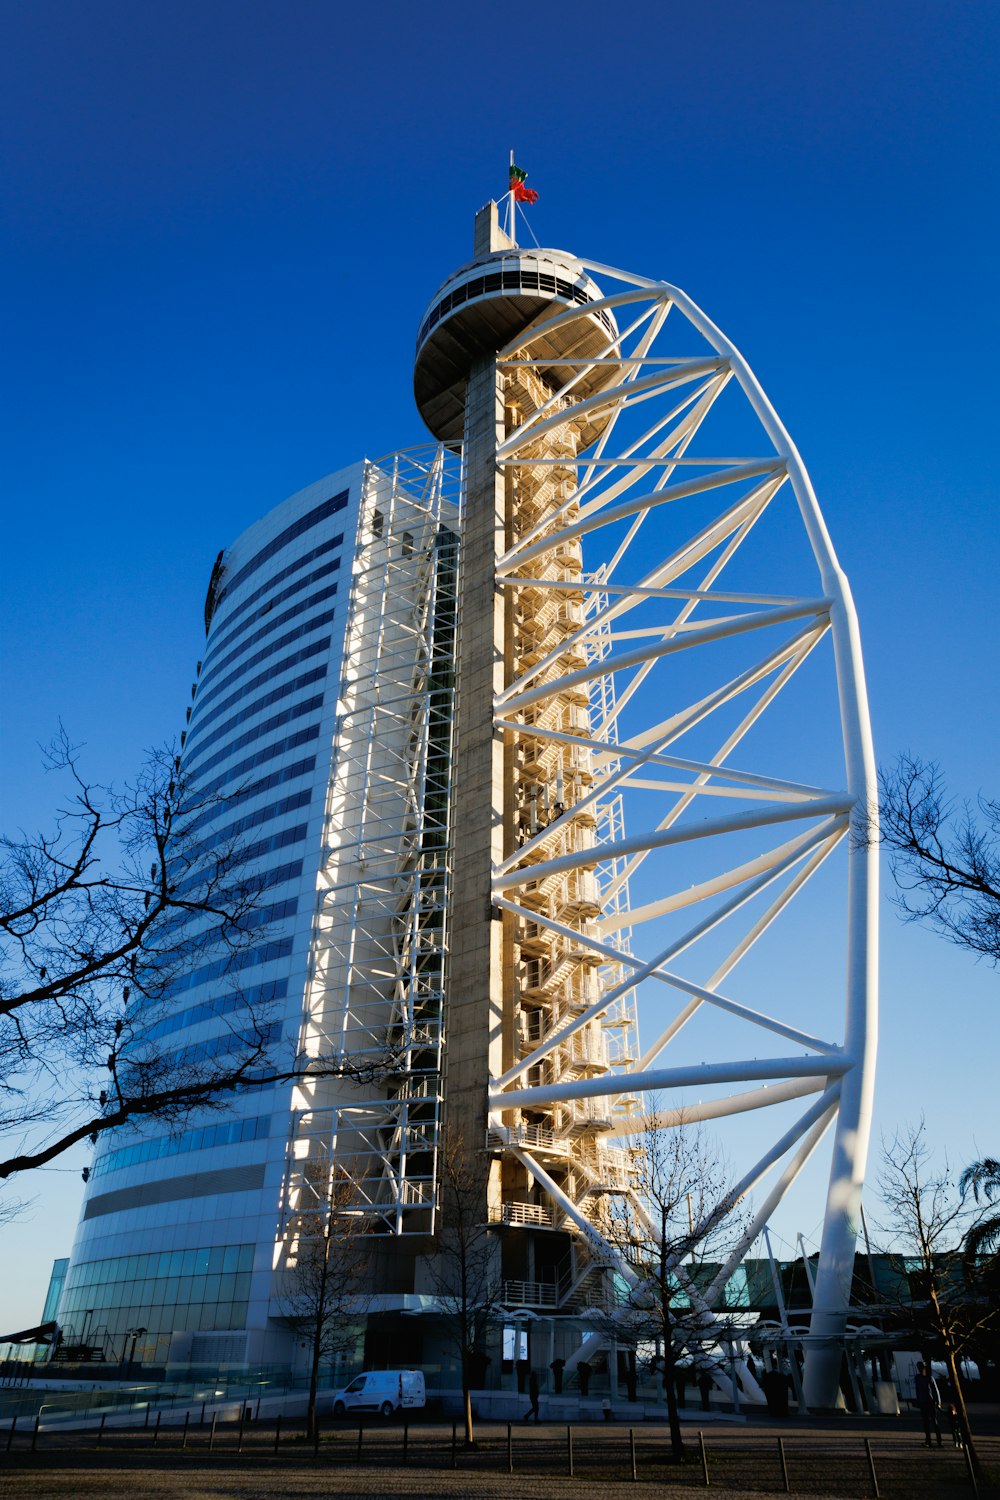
171	1189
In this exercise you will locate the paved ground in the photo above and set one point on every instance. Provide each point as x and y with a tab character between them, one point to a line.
826	1461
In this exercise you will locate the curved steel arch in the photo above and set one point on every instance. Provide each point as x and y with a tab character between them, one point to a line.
568	448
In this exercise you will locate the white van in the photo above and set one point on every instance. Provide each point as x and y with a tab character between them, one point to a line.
384	1391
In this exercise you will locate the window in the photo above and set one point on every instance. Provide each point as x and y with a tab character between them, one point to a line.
260	758
261	994
232	963
239	826
274	696
268	675
515	1344
307	706
303	628
246	794
283	539
228	1133
271	604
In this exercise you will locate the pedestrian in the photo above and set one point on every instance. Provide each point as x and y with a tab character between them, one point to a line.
955	1423
928	1402
583	1375
704	1386
680	1384
532	1397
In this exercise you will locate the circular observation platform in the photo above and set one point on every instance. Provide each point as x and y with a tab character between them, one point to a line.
488	303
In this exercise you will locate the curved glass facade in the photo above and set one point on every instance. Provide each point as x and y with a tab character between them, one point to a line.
178	1226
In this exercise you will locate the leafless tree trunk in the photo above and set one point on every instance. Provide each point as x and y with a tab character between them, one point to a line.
465	1271
326	1277
679	1213
926	1218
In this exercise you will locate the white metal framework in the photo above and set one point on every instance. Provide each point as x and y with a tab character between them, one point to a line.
672	725
379	940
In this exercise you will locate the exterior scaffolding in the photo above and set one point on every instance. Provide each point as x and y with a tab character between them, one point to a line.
376	990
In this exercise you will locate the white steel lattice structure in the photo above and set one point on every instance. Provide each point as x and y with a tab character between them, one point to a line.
581	735
666	590
379	941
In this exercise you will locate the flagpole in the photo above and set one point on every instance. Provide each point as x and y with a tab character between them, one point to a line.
513	221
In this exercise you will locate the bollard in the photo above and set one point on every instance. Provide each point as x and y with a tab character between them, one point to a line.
406	1439
784	1466
454	1445
100	1430
631	1445
971	1468
184	1435
704	1458
277	1432
569	1451
211	1435
13	1428
156	1433
360	1432
871	1469
239	1437
34	1435
510	1451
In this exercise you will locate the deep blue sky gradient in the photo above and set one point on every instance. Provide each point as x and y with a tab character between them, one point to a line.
222	223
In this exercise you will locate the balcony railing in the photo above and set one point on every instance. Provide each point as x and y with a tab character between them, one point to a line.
529	1214
529	1294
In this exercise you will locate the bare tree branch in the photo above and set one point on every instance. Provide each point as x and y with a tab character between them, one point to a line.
102	922
926	1220
679	1215
326	1276
945	857
465	1273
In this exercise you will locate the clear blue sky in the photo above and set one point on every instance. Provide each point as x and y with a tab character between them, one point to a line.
223	221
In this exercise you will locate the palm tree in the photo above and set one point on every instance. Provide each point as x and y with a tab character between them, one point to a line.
983	1178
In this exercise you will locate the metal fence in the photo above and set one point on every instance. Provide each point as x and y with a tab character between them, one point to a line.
887	1464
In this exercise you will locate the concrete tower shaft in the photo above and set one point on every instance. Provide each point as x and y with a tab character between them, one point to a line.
512	981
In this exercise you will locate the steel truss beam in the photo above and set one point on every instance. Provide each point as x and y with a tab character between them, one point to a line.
595	661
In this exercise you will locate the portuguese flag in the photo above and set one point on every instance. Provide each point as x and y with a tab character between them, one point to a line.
521	193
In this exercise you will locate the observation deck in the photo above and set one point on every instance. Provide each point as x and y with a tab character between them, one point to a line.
488	303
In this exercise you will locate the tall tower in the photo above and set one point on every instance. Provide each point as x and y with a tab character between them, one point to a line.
516	724
635	616
513	981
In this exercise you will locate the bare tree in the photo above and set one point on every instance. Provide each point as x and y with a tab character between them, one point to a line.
326	1279
945	857
465	1272
926	1219
101	921
675	1226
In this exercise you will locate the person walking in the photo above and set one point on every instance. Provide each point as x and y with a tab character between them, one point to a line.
532	1397
928	1402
